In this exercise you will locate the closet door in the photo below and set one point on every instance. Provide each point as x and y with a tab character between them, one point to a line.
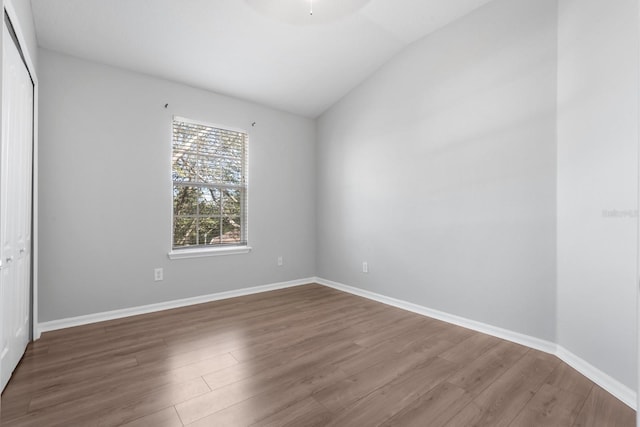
16	156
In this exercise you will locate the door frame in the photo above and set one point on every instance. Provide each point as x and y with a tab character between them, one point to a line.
638	220
10	10
638	223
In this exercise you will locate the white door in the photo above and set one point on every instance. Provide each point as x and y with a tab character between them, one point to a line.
16	156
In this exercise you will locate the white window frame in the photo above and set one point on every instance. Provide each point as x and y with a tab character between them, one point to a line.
201	251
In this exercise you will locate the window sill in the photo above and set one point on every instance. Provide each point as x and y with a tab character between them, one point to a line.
200	252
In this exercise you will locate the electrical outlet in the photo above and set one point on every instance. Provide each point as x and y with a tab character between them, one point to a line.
365	267
280	261
158	274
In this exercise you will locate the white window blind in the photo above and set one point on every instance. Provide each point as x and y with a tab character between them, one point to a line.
209	170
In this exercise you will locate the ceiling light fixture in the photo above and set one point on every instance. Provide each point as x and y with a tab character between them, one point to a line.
299	12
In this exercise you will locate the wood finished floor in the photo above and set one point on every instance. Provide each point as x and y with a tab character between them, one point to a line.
304	356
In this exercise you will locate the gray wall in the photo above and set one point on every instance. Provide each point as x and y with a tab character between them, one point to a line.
597	175
440	172
105	191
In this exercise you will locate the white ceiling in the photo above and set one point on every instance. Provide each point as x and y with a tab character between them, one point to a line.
267	51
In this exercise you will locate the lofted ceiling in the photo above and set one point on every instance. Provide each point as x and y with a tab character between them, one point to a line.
272	52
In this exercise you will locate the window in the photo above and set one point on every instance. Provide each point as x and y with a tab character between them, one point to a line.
209	172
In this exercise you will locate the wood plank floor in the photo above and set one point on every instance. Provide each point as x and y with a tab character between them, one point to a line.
304	356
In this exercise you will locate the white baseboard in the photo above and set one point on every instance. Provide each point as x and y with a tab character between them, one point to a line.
611	385
526	340
144	309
